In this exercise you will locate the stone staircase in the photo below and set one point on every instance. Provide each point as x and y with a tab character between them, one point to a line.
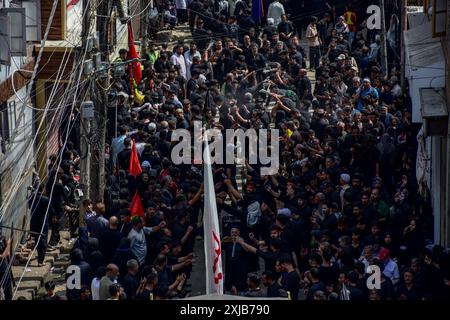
31	287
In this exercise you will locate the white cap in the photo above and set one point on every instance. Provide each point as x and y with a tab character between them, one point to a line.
146	164
151	126
123	94
285	211
345	177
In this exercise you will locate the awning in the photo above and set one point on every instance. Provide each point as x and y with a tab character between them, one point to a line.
421	48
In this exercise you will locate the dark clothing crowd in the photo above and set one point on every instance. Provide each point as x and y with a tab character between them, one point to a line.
345	200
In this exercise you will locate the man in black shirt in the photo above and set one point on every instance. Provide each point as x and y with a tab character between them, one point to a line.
192	83
239	9
110	239
130	282
55	190
194	8
235	263
246	22
285	28
39	204
303	85
316	284
274	290
255	61
355	292
124	156
270	29
201	35
291	280
162	63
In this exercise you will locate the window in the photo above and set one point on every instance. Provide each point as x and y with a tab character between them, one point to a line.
17	32
4	124
32	19
5	40
12	114
439	19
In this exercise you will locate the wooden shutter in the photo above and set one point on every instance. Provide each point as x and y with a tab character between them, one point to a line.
439	18
18	43
32	19
5	40
57	30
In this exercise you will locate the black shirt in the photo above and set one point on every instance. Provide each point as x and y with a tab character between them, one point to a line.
39	205
109	242
356	293
329	275
124	159
291	283
285	27
319	286
130	285
275	290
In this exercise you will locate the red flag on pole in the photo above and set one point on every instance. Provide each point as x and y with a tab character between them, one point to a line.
136	69
135	166
136	207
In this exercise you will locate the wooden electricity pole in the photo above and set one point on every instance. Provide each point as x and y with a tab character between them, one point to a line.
85	124
403	28
384	62
100	108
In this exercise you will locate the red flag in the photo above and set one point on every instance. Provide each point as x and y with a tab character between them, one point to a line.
135	70
136	207
135	166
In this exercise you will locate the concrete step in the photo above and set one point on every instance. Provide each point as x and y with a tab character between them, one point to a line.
30	285
36	273
63	257
25	294
60	264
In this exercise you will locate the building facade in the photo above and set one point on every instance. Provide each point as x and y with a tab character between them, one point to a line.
32	117
18	33
427	71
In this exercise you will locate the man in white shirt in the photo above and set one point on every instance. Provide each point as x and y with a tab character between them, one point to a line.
275	11
189	57
177	59
314	44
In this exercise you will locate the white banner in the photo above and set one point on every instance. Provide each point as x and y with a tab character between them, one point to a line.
213	259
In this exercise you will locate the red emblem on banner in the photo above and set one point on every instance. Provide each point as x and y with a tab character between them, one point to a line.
217	251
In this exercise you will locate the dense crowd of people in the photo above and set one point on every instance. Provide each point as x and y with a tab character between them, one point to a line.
345	197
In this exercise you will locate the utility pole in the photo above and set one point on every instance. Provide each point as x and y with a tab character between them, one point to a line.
144	26
403	28
384	62
100	108
85	127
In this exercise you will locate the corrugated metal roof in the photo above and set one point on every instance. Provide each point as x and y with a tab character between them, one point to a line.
416	18
422	49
